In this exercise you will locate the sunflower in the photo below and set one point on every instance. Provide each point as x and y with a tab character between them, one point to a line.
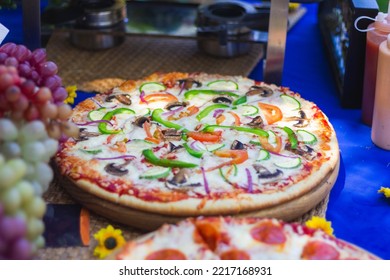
108	239
320	223
71	90
385	191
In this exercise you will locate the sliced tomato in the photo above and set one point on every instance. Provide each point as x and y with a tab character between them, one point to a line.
237	120
272	113
267	146
237	156
205	136
165	97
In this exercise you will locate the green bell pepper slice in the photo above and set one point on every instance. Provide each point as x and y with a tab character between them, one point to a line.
108	116
156	116
206	111
153	159
192	152
291	137
240	100
256	131
192	93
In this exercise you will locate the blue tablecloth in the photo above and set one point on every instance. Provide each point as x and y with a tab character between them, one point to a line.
359	214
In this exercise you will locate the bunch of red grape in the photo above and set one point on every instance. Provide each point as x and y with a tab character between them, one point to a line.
33	117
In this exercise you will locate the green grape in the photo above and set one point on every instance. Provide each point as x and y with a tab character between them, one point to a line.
21	214
36	207
12	172
43	174
26	191
33	151
10	149
39	242
35	227
32	131
11	200
51	146
38	189
8	131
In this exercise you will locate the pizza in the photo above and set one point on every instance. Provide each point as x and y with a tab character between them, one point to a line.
190	144
218	238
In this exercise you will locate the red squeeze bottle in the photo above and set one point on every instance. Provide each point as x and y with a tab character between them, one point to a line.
377	34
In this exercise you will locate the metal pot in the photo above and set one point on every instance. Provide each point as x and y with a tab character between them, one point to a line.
96	29
224	28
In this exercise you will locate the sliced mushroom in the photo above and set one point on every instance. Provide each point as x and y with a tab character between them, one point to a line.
260	90
305	151
257	122
116	170
173	105
173	147
171	134
264	173
179	181
140	121
123	98
237	145
85	134
222	100
303	121
188	83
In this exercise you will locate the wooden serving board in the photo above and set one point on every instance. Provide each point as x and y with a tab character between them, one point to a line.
287	211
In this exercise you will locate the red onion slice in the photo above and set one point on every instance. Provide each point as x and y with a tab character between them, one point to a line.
118	157
250	182
206	184
94	122
170	113
218	112
142	97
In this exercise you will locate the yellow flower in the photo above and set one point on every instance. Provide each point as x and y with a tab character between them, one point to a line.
320	223
385	191
71	90
108	239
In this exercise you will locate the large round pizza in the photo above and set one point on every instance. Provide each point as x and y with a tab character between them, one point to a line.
183	144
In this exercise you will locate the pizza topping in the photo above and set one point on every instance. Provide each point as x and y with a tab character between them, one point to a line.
305	151
257	131
150	87
156	116
103	126
156	173
171	134
256	122
291	137
318	250
152	158
206	111
291	102
237	145
192	151
85	134
247	110
180	181
166	254
116	169
264	173
263	91
223	84
124	99
223	100
306	137
162	97
173	106
195	92
250	181
205	183
269	233
189	83
263	155
204	136
288	162
272	113
240	100
235	254
238	156
140	121
210	233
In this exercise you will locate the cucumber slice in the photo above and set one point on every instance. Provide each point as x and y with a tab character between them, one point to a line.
156	173
257	143
263	155
291	102
271	137
223	85
214	147
247	110
92	152
98	114
151	87
288	163
306	137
